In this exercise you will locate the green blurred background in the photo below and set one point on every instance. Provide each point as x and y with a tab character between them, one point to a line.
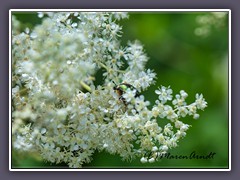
183	60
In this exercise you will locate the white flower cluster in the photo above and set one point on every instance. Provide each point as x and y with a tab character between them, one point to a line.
60	112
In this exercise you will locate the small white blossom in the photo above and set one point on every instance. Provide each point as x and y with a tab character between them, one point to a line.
164	94
164	148
43	131
129	95
74	25
182	111
75	148
143	160
69	62
169	113
196	116
183	94
154	148
179	100
200	102
40	14
184	127
192	109
151	160
22	144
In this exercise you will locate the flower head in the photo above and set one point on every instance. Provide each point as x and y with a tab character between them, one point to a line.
62	113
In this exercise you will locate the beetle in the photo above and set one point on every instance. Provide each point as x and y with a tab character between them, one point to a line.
121	89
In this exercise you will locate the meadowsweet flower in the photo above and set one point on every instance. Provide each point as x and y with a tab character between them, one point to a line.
151	160
60	112
192	109
200	102
180	99
22	144
196	116
184	127
143	160
129	95
164	94
182	111
169	113
154	148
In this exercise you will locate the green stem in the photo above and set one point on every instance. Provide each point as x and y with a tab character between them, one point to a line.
105	67
85	86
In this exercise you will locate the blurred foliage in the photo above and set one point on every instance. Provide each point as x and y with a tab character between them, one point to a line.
183	60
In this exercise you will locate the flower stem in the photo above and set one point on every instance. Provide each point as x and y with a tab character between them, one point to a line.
85	86
107	68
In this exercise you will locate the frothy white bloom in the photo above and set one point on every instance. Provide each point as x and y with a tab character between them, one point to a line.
69	117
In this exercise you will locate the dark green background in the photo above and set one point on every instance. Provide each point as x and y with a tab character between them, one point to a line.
184	61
